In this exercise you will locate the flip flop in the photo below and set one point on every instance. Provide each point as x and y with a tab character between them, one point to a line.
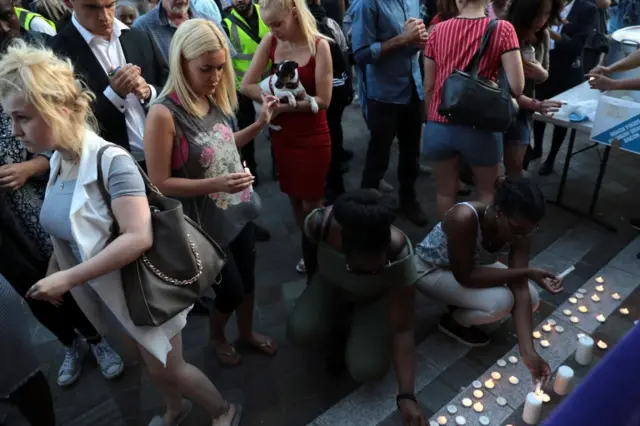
223	355
263	348
184	413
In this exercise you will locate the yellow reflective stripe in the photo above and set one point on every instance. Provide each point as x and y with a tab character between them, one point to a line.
26	16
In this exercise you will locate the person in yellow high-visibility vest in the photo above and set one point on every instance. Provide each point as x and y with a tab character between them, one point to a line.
245	29
32	21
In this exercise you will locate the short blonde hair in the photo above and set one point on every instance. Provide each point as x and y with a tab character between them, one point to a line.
194	38
306	19
48	83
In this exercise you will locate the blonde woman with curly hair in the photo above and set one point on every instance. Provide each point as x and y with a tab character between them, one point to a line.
302	148
51	112
192	154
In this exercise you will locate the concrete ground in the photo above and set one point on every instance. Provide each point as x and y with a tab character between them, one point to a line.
293	388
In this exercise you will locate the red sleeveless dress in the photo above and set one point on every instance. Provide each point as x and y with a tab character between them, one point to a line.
302	148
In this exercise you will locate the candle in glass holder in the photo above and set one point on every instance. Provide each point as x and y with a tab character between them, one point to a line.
599	280
545	343
546	328
600	288
624	311
563	380
584	352
595	298
467	402
537	334
478	407
478	394
615	296
532	409
514	380
489	384
583	309
573	300
602	345
601	318
496	376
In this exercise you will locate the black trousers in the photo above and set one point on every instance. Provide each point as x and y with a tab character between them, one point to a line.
246	116
22	271
33	400
385	122
238	275
335	182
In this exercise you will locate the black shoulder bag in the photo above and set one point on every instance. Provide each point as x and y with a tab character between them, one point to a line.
466	95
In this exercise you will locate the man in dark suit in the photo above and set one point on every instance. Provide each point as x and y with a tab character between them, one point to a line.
122	66
566	70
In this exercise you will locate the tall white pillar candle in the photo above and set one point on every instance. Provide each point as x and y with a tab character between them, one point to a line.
563	380
584	353
532	409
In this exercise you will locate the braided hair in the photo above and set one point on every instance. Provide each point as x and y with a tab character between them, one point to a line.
519	197
365	217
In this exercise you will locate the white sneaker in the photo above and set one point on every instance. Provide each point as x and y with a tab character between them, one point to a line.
109	361
71	367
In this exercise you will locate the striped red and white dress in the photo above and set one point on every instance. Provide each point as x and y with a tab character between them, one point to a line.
452	44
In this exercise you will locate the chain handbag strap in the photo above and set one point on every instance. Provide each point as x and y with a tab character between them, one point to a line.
116	228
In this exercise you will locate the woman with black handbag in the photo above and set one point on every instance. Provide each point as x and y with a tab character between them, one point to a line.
51	111
452	45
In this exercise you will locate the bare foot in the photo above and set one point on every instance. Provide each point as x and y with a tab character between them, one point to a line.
226	353
260	343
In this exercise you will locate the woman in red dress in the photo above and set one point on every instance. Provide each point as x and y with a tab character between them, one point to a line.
302	147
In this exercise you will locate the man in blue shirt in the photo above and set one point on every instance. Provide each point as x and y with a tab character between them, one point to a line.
386	38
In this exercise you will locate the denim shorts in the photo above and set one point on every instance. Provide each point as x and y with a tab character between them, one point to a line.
442	141
520	131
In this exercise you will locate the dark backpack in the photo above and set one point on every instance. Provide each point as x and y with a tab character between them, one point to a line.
341	69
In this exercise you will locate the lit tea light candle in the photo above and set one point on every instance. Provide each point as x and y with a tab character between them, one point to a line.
583	309
600	288
599	280
478	407
546	328
545	397
624	311
478	394
559	329
595	298
489	384
461	420
452	409
601	318
484	421
574	320
496	376
501	363
532	409
567	312
514	380
513	359
442	420
582	291
573	300
602	345
584	352
467	402
477	384
501	401
551	321
579	295
615	296
563	380
537	334
545	343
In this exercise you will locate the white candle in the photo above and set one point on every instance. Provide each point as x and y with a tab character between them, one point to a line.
496	376
545	343
501	363
595	298
537	334
563	380
546	328
489	384
501	401
582	291
584	353
461	421
600	288
601	318
615	296
579	295
513	359
532	409
478	393
452	409
467	402
551	321
602	345
478	407
599	280
559	329
514	380
583	309
573	300
624	311
477	384
442	420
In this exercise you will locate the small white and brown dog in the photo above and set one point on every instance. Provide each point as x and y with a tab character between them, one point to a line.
285	85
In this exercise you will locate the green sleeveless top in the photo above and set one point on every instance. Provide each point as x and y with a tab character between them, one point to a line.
332	267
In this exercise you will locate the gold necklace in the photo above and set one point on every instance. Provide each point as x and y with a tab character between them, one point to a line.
75	164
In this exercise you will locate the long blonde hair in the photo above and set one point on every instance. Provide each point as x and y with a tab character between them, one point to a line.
48	83
194	38
306	20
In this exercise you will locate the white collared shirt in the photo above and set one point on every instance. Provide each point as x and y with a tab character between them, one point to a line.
558	28
110	55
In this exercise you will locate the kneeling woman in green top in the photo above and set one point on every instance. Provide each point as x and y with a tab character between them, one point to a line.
355	257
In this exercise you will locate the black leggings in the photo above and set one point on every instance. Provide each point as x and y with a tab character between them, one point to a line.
33	400
62	321
238	275
335	182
